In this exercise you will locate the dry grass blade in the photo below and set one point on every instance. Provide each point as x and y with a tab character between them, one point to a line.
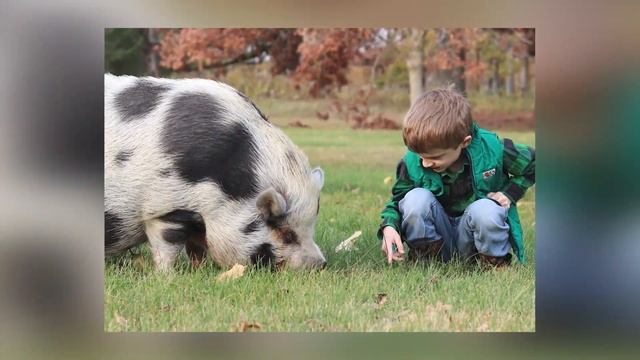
121	320
348	243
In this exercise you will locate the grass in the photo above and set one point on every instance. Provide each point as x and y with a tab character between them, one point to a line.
343	297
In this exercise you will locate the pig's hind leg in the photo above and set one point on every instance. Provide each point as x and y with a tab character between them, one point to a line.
169	233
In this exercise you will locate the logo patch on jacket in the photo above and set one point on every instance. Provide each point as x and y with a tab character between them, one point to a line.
489	173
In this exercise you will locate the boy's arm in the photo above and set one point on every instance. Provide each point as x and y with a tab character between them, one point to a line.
391	213
519	161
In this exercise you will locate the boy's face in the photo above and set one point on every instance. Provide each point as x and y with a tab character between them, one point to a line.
440	160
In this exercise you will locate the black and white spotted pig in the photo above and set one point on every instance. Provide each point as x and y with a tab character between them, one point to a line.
193	162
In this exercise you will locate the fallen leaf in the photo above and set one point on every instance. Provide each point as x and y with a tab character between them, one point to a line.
356	190
235	272
348	243
433	280
121	320
388	180
244	326
483	327
380	300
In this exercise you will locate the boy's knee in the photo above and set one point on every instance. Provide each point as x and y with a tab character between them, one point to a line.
417	201
486	214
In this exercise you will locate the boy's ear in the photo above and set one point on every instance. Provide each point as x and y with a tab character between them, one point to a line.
466	141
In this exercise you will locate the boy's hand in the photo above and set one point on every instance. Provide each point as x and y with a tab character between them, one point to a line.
390	237
501	198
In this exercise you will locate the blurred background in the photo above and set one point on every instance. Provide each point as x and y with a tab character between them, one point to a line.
362	77
51	176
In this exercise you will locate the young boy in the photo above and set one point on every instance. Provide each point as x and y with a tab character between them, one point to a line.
456	187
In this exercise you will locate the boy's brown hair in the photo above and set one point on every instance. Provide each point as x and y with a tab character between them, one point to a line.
438	119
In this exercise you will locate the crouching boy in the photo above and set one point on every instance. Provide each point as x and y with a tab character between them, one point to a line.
456	187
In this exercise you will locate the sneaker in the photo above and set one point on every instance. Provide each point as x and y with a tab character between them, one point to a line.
495	261
425	252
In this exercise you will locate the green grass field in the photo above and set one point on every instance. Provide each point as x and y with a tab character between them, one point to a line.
343	297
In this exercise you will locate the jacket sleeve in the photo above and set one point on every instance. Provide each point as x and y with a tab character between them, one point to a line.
520	163
391	213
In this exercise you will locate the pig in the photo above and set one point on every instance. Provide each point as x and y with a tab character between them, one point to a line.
193	164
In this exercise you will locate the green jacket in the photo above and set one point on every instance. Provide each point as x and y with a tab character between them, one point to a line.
486	153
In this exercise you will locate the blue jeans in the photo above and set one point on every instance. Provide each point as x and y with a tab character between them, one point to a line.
482	228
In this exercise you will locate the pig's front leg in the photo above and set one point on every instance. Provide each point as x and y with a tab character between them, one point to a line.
163	249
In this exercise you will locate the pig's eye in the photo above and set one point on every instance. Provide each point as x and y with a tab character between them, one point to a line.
289	237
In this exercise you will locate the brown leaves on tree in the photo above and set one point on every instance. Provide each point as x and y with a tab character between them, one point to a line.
325	55
319	58
210	48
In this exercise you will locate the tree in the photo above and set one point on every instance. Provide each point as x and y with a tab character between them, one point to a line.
492	50
528	43
218	48
151	54
515	44
325	55
124	52
415	63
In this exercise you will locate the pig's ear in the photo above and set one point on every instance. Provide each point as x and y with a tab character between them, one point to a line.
271	203
317	175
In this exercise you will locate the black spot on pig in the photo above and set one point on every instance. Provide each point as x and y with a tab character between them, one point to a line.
189	229
252	227
263	256
181	216
139	99
120	236
276	222
196	248
122	157
186	225
205	147
112	228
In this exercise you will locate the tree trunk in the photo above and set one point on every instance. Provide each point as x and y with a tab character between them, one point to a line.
372	79
509	86
496	75
152	57
479	79
415	63
524	75
458	73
